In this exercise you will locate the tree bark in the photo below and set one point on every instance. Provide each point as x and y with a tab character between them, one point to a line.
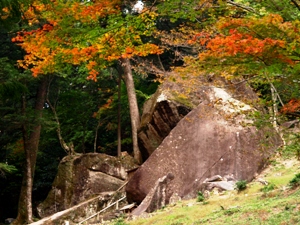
133	107
276	96
69	148
296	4
31	137
119	115
96	136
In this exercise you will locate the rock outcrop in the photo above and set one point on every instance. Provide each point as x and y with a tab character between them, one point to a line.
220	183
156	198
217	137
161	113
81	177
171	102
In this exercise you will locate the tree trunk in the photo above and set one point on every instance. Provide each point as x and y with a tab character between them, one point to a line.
31	137
119	115
276	96
133	107
96	136
69	148
274	109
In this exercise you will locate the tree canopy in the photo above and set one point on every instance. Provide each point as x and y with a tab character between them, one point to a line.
78	49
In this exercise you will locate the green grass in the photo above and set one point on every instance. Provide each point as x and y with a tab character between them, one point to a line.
252	206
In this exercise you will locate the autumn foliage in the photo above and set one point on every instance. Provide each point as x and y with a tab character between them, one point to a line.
256	42
292	107
95	34
58	43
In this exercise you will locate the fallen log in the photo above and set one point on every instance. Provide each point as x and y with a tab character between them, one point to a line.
48	220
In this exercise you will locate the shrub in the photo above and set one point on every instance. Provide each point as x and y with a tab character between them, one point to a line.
295	182
241	185
120	221
200	197
231	211
267	188
293	149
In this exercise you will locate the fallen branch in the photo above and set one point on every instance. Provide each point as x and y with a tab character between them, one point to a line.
56	216
49	219
90	217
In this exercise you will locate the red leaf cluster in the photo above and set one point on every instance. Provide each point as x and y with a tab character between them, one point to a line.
292	107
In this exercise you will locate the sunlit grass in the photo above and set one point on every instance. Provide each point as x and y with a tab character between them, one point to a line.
251	206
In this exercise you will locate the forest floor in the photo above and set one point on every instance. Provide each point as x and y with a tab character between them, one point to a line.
275	203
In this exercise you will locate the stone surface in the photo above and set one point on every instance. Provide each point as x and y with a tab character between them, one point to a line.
172	101
83	176
156	198
220	185
226	183
9	220
217	137
160	115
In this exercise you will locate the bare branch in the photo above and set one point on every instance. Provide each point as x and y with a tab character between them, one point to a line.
247	8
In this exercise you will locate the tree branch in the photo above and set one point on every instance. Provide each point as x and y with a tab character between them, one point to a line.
296	4
242	6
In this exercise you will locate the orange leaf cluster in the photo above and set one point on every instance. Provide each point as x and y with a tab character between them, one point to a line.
51	46
86	12
237	42
30	16
107	104
4	13
77	56
293	106
142	50
255	38
202	38
40	57
93	75
99	9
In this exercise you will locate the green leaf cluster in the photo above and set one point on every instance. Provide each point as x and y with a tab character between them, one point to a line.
5	168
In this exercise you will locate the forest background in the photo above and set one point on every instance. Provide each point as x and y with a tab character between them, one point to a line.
75	74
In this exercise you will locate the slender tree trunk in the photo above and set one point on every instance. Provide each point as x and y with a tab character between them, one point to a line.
275	96
274	109
119	115
69	148
83	139
96	136
133	107
31	142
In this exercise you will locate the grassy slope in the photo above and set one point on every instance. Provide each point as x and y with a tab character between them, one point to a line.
251	206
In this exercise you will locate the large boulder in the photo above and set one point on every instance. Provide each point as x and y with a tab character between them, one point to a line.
172	101
216	138
155	198
83	176
161	113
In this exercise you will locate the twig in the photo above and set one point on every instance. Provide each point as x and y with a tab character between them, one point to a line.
296	4
242	6
101	210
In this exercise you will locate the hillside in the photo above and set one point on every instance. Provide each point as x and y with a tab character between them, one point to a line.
275	203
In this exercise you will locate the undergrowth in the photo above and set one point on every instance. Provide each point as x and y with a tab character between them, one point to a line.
295	182
276	203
